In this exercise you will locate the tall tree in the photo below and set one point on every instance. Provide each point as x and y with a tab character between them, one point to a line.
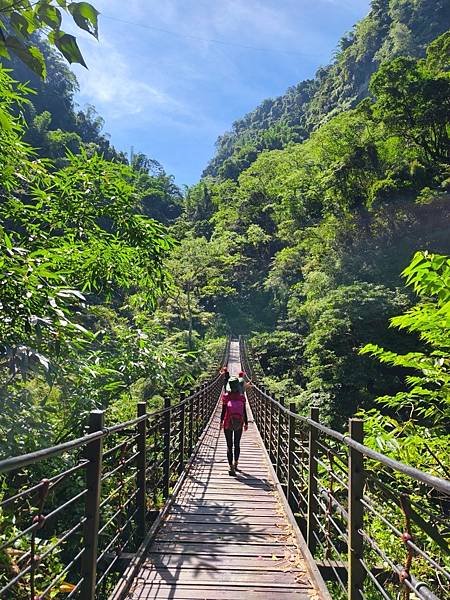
414	103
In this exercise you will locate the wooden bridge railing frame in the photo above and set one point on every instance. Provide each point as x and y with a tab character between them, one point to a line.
273	419
183	424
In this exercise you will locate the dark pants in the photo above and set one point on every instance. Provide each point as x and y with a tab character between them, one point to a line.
233	438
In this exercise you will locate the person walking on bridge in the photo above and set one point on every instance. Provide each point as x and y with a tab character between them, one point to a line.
226	376
243	384
233	420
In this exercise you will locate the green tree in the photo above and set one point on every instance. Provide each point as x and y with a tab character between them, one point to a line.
201	272
339	324
80	267
428	396
20	20
438	54
414	103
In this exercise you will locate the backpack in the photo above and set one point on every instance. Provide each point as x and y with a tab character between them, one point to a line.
235	413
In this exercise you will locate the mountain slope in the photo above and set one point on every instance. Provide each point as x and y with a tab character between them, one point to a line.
392	28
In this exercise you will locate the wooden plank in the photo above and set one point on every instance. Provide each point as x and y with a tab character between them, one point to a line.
230	527
183	592
235	482
239	537
224	511
199	505
245	549
268	519
230	493
222	500
233	577
229	485
275	562
241	478
221	472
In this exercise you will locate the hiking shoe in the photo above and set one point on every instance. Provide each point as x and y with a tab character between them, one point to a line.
232	471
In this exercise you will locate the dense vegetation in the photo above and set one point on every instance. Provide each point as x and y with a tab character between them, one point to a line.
82	267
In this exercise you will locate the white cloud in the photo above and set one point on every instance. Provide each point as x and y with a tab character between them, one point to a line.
246	20
110	84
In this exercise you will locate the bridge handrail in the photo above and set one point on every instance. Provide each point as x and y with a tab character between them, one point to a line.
25	460
443	485
336	497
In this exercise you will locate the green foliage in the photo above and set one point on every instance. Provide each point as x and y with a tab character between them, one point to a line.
200	272
12	561
414	103
161	199
19	21
428	396
321	230
54	123
320	203
81	272
438	54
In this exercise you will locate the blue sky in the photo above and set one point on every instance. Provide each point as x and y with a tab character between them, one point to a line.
170	76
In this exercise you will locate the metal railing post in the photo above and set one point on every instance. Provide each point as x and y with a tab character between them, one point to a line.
197	413
93	454
278	444
191	424
181	434
199	410
264	417
141	463
166	466
267	421
258	404
271	428
355	513
291	449
203	406
312	482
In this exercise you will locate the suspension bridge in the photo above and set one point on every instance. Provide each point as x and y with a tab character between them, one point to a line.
146	509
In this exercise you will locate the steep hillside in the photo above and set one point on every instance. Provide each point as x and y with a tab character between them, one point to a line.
392	28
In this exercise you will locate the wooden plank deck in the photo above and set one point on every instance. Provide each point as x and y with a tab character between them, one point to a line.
225	537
